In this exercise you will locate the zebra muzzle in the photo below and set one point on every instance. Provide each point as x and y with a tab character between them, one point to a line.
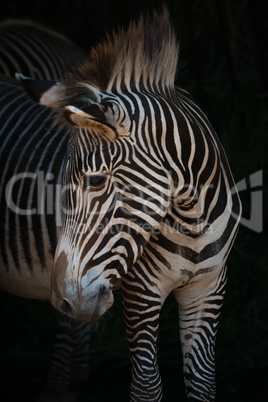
85	307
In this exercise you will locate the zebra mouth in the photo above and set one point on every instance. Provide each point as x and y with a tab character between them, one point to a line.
104	301
97	311
117	287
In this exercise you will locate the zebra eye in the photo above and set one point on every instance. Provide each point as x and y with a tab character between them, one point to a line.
93	181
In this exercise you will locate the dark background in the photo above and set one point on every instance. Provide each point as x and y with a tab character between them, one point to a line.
224	64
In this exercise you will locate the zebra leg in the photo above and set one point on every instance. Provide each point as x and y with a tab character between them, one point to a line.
80	362
142	307
69	362
199	309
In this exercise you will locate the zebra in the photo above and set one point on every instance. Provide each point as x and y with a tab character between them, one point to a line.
149	203
25	264
41	53
36	51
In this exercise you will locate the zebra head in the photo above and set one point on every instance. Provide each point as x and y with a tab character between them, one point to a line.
116	178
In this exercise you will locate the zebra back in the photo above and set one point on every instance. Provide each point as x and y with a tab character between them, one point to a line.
36	51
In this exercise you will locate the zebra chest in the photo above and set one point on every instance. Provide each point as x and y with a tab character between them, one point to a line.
181	260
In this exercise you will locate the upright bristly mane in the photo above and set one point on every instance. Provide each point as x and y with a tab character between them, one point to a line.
142	57
145	53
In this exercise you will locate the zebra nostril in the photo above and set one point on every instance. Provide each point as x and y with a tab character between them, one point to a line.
103	290
66	308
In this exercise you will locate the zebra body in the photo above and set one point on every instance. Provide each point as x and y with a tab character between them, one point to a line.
36	51
150	207
41	53
29	175
28	239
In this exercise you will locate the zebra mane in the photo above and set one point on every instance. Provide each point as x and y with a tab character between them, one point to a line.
145	53
144	56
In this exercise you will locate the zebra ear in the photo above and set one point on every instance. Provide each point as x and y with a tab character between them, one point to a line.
103	117
106	117
44	92
79	118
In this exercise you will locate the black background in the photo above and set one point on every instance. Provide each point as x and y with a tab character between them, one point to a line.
223	63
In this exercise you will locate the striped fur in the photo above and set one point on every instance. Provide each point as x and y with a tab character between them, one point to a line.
151	205
36	51
30	150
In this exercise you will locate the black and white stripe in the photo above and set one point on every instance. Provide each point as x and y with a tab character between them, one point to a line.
30	171
36	51
150	207
69	362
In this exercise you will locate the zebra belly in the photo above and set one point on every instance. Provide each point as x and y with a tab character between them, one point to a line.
25	270
33	284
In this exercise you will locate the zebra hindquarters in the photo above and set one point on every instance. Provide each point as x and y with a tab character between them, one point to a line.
199	309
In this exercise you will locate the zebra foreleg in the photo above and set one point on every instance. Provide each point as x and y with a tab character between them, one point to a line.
142	308
79	361
199	309
69	362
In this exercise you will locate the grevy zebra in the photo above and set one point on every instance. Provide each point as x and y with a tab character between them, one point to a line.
150	204
42	53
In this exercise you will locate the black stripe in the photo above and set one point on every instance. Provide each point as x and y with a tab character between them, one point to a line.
210	250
